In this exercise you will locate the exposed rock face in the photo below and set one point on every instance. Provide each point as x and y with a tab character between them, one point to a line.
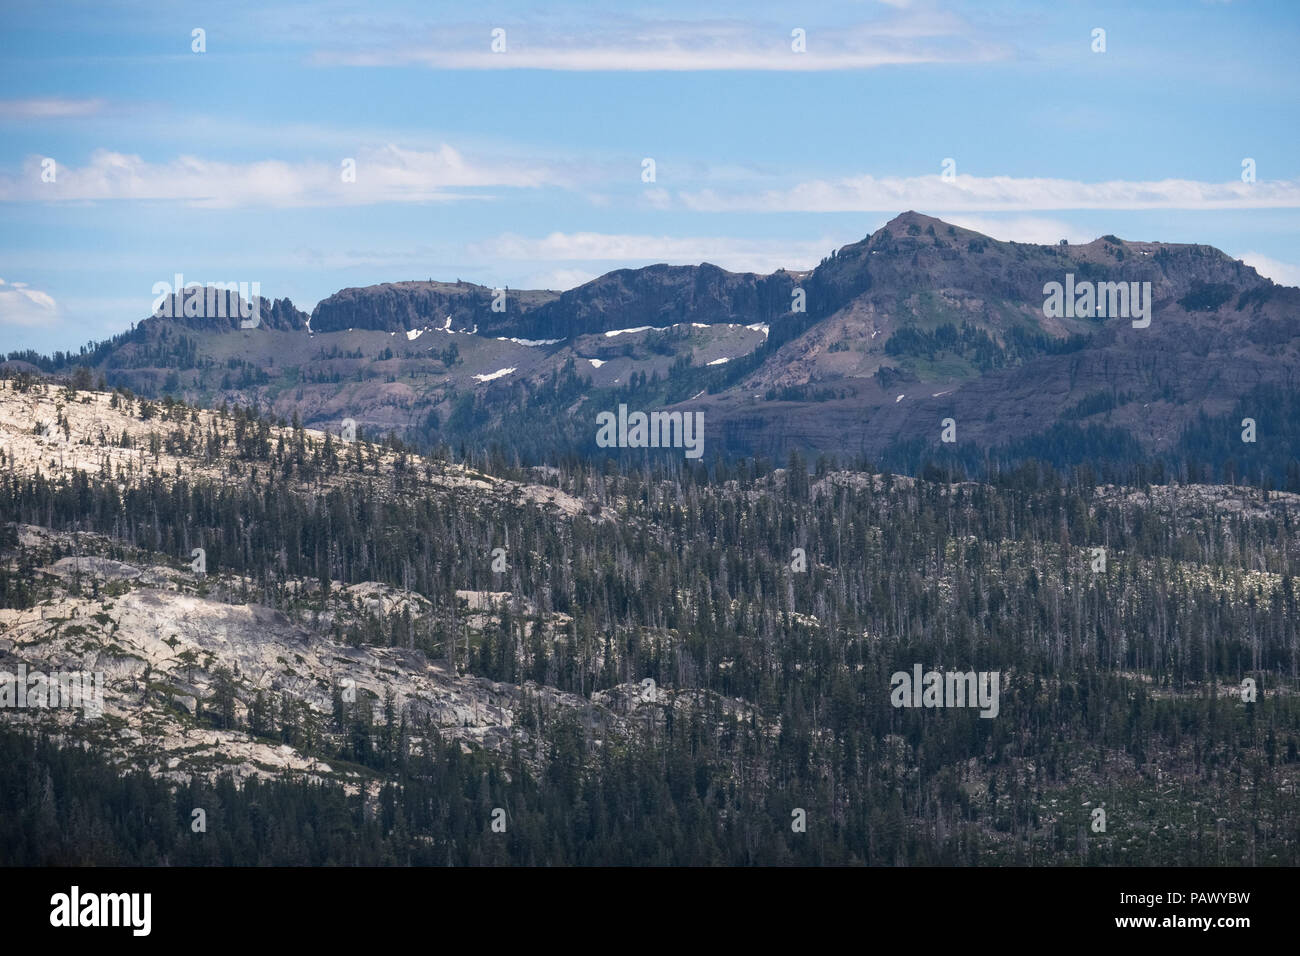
166	652
219	311
162	651
655	296
660	296
282	314
401	306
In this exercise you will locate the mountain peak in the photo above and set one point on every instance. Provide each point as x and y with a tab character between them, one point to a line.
913	218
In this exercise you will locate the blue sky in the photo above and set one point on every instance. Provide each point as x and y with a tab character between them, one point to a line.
524	168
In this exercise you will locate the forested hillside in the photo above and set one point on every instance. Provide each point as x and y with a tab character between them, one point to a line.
654	661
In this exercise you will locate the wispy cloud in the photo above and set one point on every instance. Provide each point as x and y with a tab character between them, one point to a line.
382	175
560	280
1038	229
20	305
616	44
1283	273
736	255
995	194
49	108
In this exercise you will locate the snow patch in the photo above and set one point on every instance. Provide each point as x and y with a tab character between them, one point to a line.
596	363
640	328
721	361
899	399
414	334
531	343
759	327
491	375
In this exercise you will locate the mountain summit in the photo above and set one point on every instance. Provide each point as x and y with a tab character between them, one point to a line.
865	355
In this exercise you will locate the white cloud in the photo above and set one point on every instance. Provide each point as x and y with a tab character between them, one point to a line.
1037	229
560	280
1283	273
736	255
20	305
655	60
997	193
897	37
385	174
48	108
